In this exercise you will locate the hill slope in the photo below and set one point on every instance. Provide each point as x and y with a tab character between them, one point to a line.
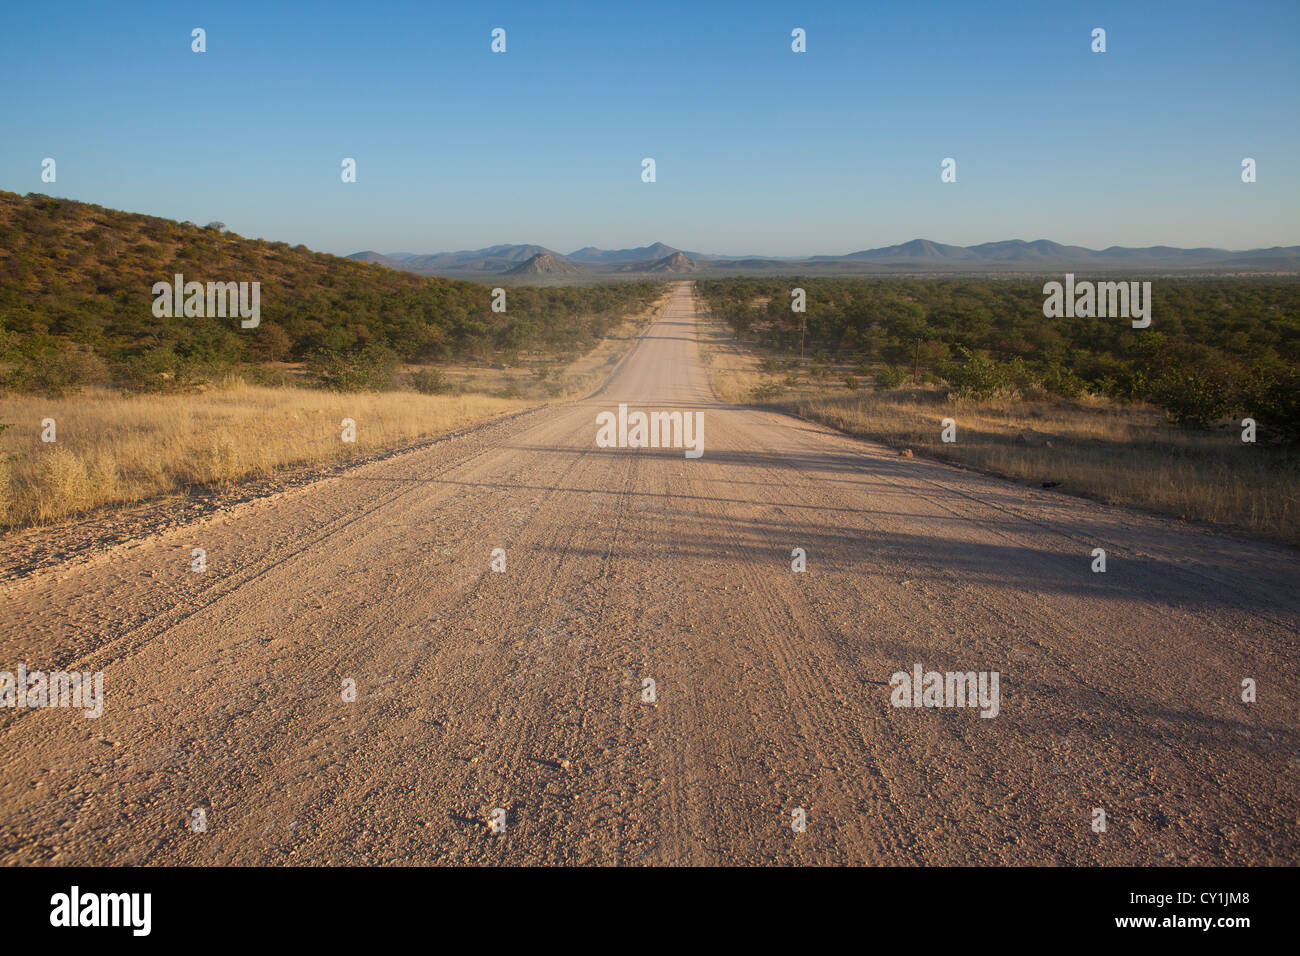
76	304
544	264
677	262
650	253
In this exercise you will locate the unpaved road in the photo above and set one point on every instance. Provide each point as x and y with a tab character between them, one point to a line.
522	690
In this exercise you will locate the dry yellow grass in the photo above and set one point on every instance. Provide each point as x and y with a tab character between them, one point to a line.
112	449
1122	454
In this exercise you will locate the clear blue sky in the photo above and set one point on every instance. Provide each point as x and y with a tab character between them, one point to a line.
759	150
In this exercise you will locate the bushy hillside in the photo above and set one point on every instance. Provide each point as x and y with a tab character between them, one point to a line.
76	305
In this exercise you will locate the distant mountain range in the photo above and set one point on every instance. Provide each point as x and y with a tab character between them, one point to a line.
919	255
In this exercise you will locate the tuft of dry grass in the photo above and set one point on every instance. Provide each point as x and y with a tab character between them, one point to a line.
6	479
1124	454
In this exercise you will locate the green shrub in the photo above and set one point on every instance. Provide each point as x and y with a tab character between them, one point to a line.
1191	398
766	392
155	369
55	372
430	381
1062	381
979	377
1273	400
372	369
889	376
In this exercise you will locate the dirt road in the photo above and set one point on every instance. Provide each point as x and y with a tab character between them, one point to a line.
522	691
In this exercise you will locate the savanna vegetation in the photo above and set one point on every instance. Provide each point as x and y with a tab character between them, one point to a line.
76	309
1148	417
1215	348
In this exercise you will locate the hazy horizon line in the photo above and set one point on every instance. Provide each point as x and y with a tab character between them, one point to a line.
720	255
